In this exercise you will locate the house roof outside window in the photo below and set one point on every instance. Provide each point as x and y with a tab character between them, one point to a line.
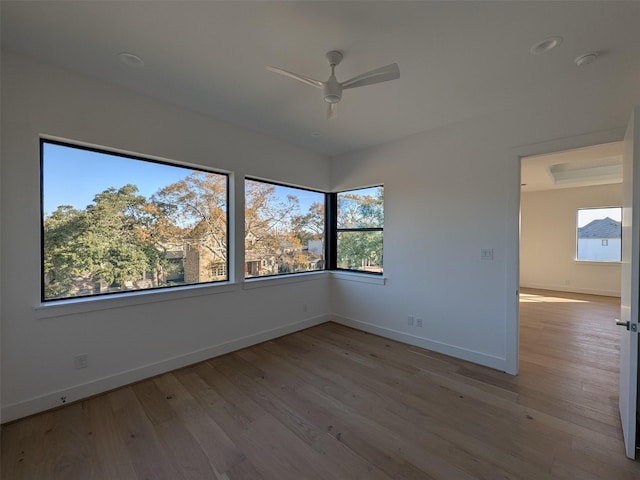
601	228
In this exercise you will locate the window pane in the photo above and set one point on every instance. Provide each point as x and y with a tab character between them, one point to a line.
362	208
284	229
360	251
114	223
599	234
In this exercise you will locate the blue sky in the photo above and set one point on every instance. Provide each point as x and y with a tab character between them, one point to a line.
74	176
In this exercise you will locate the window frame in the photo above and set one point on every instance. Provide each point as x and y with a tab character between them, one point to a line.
330	234
244	219
137	157
602	243
332	242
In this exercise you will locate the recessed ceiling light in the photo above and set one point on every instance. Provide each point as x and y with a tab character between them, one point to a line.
585	59
315	134
131	60
545	45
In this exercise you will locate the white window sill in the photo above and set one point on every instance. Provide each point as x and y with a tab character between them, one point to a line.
105	302
275	280
601	263
360	277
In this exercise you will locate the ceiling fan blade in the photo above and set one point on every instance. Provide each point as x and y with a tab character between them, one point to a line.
295	76
332	111
382	74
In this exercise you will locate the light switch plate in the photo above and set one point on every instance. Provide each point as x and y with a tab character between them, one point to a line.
486	253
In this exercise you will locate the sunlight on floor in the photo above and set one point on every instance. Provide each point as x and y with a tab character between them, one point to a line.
530	298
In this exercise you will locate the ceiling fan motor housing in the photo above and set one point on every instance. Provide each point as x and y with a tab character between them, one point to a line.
332	90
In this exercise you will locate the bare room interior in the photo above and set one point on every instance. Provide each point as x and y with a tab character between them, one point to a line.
313	240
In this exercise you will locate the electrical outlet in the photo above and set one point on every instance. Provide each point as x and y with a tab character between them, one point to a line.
410	320
81	361
419	322
304	307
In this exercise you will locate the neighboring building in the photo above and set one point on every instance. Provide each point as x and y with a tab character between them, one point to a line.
174	254
600	240
203	264
259	264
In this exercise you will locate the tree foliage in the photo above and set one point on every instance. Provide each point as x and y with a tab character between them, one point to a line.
360	250
309	226
106	242
122	240
269	225
194	210
62	261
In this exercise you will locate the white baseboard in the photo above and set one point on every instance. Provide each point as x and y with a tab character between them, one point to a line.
446	349
570	289
78	392
81	391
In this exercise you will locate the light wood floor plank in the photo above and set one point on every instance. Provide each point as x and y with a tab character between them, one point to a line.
401	407
143	444
110	450
222	453
331	402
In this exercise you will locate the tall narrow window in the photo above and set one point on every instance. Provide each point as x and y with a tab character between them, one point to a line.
359	230
284	229
114	223
599	234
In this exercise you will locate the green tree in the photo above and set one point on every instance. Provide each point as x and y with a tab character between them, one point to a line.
108	243
361	250
61	260
112	241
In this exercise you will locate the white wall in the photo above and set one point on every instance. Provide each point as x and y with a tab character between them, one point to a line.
128	339
548	241
441	208
449	193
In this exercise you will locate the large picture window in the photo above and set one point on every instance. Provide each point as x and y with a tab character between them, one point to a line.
359	230
599	234
114	223
284	229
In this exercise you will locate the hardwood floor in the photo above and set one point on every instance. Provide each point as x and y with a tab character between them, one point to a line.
334	403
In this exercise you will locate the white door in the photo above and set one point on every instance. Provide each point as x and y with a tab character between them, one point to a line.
630	283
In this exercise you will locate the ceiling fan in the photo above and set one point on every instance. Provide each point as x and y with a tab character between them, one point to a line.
332	89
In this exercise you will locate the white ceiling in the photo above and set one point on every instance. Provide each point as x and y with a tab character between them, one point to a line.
458	60
580	167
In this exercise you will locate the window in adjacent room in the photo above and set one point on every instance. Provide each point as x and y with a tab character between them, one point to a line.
359	230
114	223
284	229
599	234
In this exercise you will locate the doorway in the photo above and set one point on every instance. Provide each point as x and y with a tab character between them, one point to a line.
570	220
569	289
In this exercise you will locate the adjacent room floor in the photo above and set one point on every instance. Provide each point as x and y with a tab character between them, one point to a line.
331	402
